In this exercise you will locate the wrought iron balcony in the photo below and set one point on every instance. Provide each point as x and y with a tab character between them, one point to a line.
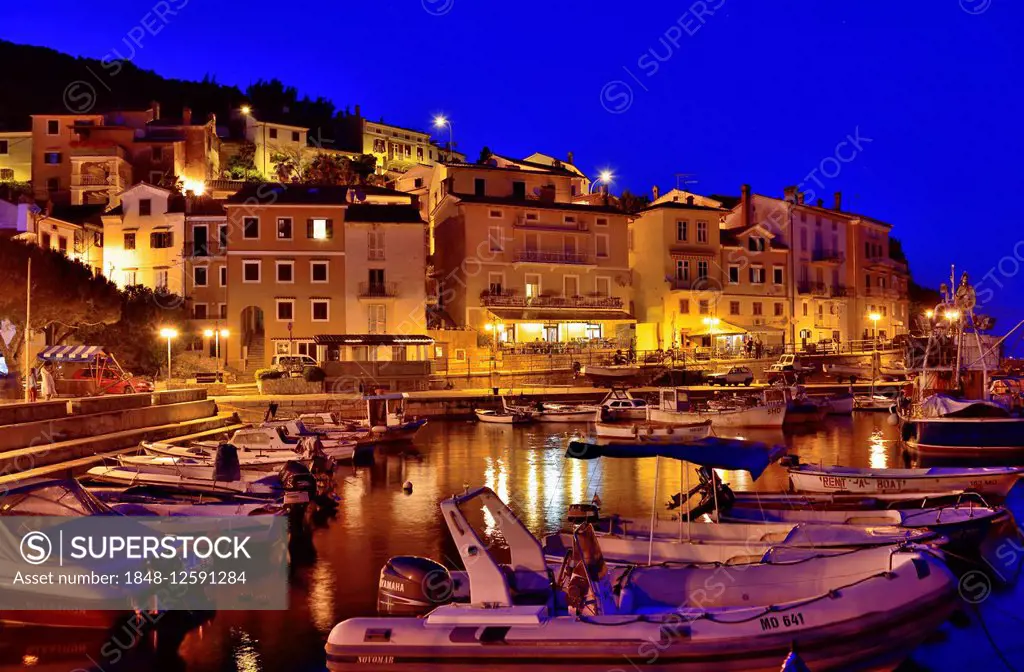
828	256
551	257
515	300
838	290
378	289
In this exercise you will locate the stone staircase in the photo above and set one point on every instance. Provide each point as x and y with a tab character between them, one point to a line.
256	358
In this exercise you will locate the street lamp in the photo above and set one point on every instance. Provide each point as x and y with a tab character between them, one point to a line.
874	317
216	335
440	121
711	323
605	176
169	334
952	315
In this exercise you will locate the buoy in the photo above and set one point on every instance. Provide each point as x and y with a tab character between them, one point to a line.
407	486
893	419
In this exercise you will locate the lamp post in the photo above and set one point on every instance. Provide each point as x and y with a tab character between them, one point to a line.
169	334
440	121
216	335
711	323
605	176
874	317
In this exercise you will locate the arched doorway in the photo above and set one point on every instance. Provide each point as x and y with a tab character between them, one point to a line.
252	339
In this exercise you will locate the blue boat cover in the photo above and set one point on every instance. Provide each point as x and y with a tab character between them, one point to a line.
714	452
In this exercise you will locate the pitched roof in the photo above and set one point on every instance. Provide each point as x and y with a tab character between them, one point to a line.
401	214
673	205
538	204
79	214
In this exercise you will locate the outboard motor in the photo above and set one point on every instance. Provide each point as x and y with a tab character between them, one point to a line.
225	464
413	586
295	477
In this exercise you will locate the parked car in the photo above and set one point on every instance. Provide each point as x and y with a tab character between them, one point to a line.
737	375
292	364
109	382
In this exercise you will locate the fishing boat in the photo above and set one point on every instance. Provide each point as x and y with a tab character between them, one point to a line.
675	408
869	605
872	402
991	481
653	431
545	412
943	426
502	417
619	405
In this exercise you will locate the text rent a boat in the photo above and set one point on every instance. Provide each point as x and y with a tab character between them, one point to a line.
990	481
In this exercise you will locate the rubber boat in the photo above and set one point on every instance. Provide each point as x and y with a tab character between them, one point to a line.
871	605
990	481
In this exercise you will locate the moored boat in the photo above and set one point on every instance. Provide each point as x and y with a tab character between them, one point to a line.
872	402
653	431
619	405
675	408
991	481
837	404
549	412
502	417
611	375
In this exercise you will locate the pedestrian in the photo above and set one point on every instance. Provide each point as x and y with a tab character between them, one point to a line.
31	383
48	388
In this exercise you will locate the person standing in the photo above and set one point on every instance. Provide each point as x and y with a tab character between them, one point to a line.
49	389
31	383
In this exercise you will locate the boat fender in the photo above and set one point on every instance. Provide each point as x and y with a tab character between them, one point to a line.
669	430
893	420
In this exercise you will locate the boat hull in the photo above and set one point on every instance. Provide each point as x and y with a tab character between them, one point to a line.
838	405
770	416
979	434
648	431
995	482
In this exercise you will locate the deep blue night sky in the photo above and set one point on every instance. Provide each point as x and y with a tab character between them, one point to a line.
752	91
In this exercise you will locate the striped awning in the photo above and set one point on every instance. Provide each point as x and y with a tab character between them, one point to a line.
71	353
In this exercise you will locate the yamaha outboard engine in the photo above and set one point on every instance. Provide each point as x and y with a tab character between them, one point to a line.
413	586
225	464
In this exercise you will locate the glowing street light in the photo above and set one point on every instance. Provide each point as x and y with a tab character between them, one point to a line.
440	121
929	314
217	334
604	177
170	334
952	315
246	110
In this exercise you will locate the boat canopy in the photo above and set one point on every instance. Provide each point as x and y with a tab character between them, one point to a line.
940	406
71	353
717	453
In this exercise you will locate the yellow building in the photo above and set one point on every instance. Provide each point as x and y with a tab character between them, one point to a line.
518	261
144	240
15	156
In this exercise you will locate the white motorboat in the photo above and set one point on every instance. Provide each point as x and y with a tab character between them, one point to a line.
502	417
619	406
675	408
258	459
274	438
547	412
994	481
653	431
867	605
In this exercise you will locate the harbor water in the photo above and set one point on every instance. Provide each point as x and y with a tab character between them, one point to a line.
337	577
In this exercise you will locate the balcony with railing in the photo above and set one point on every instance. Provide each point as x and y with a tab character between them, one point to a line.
378	290
837	291
826	256
509	299
551	257
700	284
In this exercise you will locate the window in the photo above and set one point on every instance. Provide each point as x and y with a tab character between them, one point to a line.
318	271
321	310
377	318
251	228
779	309
6	174
285	310
130	277
161	240
272	132
199	276
532	216
53	184
758	310
222	310
295	136
199	311
867	249
320	229
47	241
867	280
157	153
495	284
518	189
602	221
629	239
52	158
129	241
284	228
734	274
3	147
419	153
375	245
479	186
251	270
62	244
161	279
570	286
223	276
682	269
569	219
803	238
532	282
682	230
757	275
704	306
755	244
702	232
417	183
602	245
734	307
494	214
702	270
805	309
52	127
777	275
603	286
285	271
145	207
684	306
222	236
494	238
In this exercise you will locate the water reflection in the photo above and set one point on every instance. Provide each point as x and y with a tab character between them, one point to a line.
878	458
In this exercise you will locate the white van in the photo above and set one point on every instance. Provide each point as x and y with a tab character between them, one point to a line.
292	364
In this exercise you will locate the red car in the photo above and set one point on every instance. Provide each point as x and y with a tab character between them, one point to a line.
111	382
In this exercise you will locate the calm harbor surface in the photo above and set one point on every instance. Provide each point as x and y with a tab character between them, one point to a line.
378	520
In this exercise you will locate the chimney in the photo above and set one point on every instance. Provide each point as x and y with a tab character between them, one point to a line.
745	204
155	109
838	202
800	198
186	116
821	202
357	112
570	159
689	200
655	192
789	194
